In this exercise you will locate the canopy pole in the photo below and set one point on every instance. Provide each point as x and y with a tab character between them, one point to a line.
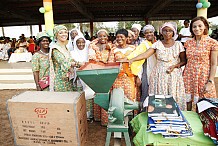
3	32
48	16
91	28
31	30
202	11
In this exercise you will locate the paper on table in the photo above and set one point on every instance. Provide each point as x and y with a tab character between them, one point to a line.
160	96
203	105
145	103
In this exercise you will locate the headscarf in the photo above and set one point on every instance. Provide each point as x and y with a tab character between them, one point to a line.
58	28
148	27
70	42
104	30
173	26
137	26
41	34
77	54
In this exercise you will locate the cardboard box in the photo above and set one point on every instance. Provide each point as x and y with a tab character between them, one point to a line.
48	118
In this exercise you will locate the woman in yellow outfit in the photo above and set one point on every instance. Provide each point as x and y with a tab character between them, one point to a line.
141	68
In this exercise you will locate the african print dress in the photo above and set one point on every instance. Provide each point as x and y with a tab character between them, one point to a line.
168	84
95	53
197	69
125	79
40	63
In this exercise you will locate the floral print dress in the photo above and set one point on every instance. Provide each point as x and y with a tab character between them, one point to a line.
40	63
61	70
168	84
197	69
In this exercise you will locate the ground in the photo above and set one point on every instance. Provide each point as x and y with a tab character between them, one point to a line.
96	132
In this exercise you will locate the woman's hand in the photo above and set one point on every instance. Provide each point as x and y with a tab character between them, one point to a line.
170	69
208	87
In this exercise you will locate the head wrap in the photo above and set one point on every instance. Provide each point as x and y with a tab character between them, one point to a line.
41	34
132	33
70	42
77	54
104	30
173	26
58	28
137	26
148	27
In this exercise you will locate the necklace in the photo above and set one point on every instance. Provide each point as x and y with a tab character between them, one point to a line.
46	54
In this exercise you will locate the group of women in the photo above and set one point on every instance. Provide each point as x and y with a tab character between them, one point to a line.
163	73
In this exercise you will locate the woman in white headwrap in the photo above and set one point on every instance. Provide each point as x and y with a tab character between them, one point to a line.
72	34
143	68
80	54
136	28
80	49
166	77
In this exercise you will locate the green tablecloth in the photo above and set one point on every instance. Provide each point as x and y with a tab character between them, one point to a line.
142	137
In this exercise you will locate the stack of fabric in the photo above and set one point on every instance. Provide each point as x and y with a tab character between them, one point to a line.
165	117
208	113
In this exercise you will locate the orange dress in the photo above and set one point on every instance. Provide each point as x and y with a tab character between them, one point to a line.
197	69
125	79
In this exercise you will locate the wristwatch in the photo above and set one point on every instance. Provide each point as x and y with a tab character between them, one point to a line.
211	81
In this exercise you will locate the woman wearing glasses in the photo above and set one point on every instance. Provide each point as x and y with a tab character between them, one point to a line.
166	77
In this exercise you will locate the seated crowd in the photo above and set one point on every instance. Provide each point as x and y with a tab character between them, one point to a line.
22	45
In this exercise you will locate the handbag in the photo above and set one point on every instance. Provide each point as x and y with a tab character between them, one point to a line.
44	82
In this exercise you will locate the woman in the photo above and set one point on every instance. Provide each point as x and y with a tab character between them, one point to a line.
80	53
166	77
61	63
81	50
201	66
40	61
22	46
100	48
125	79
100	51
130	38
143	68
72	34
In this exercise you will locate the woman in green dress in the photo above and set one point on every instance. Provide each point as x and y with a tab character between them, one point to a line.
61	62
40	61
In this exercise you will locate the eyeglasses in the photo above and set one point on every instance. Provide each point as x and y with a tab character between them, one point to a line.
165	31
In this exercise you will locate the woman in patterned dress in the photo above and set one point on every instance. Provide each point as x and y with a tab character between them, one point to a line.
126	79
100	48
100	51
61	62
166	76
40	61
201	65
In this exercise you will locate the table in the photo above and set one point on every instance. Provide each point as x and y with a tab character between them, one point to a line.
142	137
16	57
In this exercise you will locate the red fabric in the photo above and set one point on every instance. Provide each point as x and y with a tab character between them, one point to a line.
31	48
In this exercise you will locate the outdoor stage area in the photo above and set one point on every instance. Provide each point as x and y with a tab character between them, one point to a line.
16	78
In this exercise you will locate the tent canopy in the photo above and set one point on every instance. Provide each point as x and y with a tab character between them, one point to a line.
26	12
